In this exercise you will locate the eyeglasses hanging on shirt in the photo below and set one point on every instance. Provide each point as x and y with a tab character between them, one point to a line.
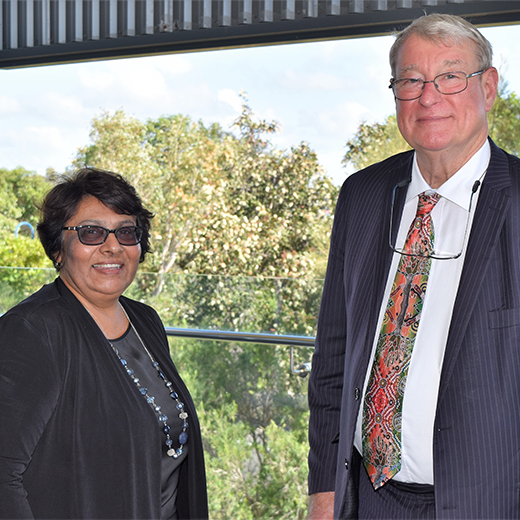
434	255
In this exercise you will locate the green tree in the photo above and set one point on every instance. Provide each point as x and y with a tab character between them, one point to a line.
223	204
21	258
504	120
254	475
283	199
21	192
118	143
24	268
239	232
189	188
374	143
177	166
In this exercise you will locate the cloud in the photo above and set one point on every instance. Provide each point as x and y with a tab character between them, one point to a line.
63	106
173	64
313	80
131	80
8	105
43	146
96	78
344	119
232	98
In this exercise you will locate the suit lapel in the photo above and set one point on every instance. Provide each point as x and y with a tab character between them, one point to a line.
492	207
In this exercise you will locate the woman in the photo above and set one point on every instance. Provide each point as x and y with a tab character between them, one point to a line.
95	420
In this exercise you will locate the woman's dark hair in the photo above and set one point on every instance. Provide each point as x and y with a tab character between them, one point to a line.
62	202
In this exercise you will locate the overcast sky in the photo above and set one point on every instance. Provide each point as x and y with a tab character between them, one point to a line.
318	92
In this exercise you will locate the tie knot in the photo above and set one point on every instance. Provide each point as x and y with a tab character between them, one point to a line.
427	203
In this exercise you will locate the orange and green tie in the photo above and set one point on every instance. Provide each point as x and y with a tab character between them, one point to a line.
383	404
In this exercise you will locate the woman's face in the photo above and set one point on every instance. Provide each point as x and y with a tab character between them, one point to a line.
98	275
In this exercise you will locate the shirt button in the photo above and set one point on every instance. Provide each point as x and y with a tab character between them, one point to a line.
346	464
356	394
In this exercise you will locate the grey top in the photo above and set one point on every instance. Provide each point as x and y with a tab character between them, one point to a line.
130	348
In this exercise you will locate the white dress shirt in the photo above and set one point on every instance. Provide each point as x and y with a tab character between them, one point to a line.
452	220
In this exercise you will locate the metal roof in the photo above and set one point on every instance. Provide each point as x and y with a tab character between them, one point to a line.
40	32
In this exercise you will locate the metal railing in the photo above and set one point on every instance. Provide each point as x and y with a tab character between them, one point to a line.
302	369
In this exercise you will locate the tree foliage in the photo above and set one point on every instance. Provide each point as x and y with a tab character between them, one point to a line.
254	475
24	268
374	143
254	422
224	204
21	258
20	194
504	121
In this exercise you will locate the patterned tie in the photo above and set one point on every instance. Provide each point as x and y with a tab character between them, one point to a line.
384	396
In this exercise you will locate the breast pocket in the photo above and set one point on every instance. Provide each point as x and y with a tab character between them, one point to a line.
504	318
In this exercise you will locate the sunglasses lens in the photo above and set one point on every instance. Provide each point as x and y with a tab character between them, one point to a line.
92	235
129	236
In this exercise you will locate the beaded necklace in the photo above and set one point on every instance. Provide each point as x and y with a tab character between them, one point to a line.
150	399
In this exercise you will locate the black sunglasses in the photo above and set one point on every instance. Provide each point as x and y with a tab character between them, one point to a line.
97	235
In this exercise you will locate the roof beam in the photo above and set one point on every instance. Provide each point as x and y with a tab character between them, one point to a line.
38	32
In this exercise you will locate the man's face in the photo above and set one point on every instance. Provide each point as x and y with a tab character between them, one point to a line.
455	125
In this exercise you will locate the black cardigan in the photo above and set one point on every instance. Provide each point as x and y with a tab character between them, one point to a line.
77	440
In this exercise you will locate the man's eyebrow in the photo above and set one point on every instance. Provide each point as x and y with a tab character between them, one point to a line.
447	65
407	69
453	63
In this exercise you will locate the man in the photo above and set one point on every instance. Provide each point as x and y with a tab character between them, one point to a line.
415	385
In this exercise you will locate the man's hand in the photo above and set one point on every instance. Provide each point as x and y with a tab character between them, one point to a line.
321	506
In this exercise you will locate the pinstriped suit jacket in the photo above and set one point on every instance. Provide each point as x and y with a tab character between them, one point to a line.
476	445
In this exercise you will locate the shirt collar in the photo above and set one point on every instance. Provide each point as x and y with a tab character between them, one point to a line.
458	187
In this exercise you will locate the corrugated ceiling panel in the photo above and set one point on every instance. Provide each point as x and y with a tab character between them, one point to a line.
53	31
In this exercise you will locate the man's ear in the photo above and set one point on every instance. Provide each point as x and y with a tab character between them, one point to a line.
490	85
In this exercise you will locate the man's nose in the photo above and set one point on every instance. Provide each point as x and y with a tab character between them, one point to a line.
430	94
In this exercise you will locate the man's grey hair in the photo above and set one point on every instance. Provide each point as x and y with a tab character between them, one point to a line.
444	29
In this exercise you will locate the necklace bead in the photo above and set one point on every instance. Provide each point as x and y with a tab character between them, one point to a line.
150	399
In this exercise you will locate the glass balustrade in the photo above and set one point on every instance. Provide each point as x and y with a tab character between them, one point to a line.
243	345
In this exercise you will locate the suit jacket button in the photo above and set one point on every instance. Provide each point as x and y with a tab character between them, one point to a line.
346	464
356	394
